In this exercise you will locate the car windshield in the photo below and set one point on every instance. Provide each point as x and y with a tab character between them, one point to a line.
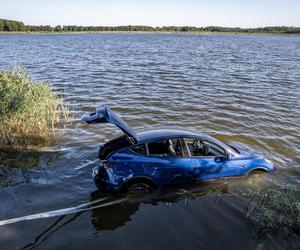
234	148
199	147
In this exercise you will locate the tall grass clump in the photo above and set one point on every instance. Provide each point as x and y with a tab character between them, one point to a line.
276	210
29	110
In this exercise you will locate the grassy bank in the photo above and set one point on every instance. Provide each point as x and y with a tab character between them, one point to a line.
29	110
276	211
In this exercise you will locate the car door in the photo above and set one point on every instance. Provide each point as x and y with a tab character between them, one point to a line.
208	166
170	167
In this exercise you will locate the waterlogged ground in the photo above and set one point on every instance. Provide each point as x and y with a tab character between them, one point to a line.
238	88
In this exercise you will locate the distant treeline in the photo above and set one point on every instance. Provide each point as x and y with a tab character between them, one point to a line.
14	26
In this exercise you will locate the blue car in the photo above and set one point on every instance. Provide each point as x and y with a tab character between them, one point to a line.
139	162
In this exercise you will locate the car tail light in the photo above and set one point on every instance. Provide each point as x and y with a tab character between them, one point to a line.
107	164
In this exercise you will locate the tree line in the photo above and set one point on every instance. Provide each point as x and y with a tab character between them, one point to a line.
15	26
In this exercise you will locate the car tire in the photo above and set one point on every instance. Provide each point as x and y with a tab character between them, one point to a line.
139	188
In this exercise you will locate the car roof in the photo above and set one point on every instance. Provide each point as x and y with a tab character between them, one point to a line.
156	134
169	133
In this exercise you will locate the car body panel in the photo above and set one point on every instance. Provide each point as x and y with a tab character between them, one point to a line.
164	171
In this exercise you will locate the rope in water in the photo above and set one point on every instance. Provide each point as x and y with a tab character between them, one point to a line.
64	211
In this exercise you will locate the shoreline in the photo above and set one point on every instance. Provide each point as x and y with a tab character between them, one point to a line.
142	32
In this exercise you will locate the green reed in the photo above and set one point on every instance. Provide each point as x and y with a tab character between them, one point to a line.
29	110
276	209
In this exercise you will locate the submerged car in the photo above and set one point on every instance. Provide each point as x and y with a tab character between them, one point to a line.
145	160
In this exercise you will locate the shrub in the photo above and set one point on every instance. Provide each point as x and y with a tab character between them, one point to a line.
29	110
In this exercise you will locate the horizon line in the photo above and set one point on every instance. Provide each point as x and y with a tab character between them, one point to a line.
152	26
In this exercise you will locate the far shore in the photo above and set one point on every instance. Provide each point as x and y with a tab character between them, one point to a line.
142	32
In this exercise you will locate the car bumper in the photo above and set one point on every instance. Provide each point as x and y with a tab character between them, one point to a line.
102	180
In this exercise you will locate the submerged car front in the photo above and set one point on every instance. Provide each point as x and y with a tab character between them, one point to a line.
250	159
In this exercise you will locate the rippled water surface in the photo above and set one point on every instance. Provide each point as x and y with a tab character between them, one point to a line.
237	88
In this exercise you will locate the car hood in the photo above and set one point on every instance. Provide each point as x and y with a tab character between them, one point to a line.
245	151
105	115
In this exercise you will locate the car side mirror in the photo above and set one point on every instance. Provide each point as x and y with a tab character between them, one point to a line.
221	158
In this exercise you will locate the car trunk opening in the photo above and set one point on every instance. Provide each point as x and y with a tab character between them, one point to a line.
112	146
105	115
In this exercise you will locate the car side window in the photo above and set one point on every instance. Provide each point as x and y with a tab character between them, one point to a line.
139	149
199	147
166	147
215	149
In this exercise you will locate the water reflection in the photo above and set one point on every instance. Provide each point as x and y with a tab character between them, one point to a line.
23	167
109	212
117	215
113	214
57	225
27	159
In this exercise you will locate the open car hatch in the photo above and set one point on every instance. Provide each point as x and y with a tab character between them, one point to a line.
105	115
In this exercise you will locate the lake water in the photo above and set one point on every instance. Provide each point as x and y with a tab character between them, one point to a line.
241	88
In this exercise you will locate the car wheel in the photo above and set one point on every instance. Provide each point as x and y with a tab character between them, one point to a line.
258	170
139	188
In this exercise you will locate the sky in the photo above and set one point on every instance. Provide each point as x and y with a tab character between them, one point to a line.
199	13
